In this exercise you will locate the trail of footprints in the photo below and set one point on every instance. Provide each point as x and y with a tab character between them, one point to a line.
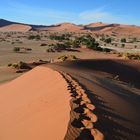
85	107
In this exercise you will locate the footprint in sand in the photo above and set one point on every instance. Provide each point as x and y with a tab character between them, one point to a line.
97	134
86	99
92	116
87	124
88	105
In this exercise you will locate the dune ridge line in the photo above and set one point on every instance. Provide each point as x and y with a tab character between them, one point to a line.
82	117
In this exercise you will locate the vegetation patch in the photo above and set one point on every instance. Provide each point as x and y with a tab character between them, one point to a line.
21	49
20	65
67	57
34	37
129	56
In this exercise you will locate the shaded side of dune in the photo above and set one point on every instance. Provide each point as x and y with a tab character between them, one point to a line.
126	70
82	117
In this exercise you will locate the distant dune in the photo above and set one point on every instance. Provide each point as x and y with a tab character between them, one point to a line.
96	24
65	27
16	28
98	27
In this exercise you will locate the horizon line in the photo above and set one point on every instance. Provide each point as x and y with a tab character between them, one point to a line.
58	23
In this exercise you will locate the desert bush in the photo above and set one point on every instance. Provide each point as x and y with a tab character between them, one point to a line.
9	65
61	46
89	41
63	57
21	50
129	56
67	57
32	37
107	50
50	50
15	65
123	40
75	44
43	44
23	65
16	49
28	49
59	37
134	56
123	45
134	39
19	65
108	40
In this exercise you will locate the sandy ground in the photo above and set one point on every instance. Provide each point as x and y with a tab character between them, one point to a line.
7	74
34	106
7	56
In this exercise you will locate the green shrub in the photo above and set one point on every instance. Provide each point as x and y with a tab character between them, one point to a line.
60	37
108	40
67	57
16	49
20	65
123	40
28	49
123	45
43	44
107	50
9	65
15	65
32	37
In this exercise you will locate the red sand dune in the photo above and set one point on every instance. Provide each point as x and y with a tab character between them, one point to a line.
35	106
16	27
100	27
65	27
96	24
123	29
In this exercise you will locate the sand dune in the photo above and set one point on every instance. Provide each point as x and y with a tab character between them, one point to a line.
35	106
97	27
16	28
96	24
123	29
114	28
65	27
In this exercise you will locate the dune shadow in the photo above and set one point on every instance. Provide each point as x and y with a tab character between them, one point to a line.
85	135
108	120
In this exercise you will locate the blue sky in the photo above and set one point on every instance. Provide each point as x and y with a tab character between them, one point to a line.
48	12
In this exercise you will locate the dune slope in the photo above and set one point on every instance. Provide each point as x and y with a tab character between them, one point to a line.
35	106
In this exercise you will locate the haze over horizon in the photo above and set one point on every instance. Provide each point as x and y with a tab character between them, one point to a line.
47	12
